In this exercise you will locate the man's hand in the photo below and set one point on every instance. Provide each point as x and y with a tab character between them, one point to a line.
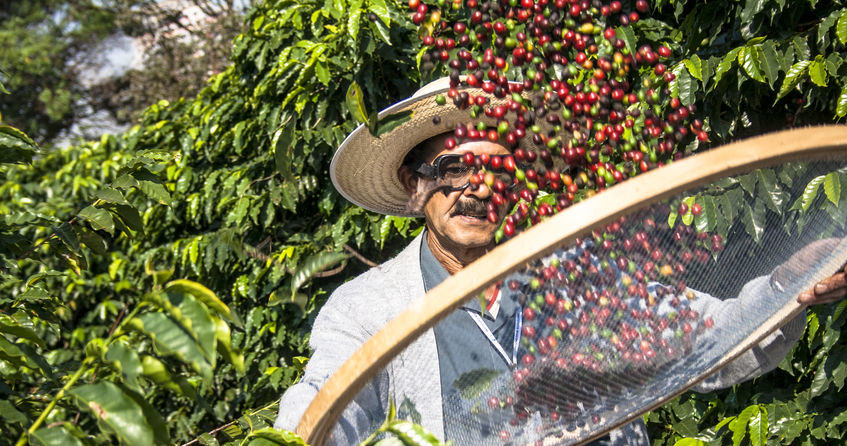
831	289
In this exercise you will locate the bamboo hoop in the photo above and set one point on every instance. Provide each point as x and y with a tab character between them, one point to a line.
738	157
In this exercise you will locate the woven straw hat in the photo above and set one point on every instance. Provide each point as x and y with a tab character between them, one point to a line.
364	168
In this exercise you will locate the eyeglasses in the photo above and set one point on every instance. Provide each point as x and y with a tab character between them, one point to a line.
450	171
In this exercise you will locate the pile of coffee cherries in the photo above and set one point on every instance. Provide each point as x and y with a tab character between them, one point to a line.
603	317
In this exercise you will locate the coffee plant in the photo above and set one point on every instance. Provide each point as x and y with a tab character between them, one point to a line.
229	189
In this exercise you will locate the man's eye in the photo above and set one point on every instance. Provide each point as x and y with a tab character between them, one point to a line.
455	170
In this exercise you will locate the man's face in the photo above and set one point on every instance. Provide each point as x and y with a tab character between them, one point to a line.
459	218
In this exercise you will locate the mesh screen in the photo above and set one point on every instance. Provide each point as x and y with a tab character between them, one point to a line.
634	312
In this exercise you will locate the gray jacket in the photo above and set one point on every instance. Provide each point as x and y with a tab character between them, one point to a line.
361	307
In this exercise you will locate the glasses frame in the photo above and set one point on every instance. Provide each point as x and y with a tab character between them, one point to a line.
435	170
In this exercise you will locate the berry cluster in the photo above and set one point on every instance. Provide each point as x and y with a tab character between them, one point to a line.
565	86
580	106
603	317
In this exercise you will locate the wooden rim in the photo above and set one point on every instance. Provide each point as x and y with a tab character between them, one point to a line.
562	228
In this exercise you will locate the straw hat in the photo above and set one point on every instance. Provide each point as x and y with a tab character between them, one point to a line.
364	168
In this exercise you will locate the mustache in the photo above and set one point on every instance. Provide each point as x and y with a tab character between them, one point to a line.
469	206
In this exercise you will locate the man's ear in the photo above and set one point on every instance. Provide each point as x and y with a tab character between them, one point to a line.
408	179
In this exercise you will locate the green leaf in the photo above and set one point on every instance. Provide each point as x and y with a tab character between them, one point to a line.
110	195
841	28
688	217
356	103
706	221
381	30
281	143
411	434
689	442
10	413
160	427
15	146
379	8
628	35
125	359
100	219
748	58
197	321
754	220
770	192
811	192
817	72
203	294
841	106
313	265
748	183
151	186
392	121
769	62
726	64
695	67
115	412
14	328
55	436
277	437
170	338
355	14
832	187
686	87
473	383
758	426
793	77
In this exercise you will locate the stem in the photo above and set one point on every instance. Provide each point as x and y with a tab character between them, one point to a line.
82	368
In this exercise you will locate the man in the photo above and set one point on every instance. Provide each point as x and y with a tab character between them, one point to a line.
385	175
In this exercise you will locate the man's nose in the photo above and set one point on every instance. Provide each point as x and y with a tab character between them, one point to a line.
481	190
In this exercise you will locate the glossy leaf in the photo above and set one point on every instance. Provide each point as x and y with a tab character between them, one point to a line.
202	294
115	411
313	265
100	219
170	338
841	106
793	77
817	72
356	103
55	436
769	62
695	67
811	192
832	187
277	437
748	58
841	27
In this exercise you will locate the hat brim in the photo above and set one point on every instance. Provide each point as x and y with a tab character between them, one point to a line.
364	168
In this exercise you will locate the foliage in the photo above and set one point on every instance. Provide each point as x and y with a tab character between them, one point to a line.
229	189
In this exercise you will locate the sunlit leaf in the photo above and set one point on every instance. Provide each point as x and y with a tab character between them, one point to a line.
170	338
793	77
356	103
55	436
313	265
832	187
841	28
115	411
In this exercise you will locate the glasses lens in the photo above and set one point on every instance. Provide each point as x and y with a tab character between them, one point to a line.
453	172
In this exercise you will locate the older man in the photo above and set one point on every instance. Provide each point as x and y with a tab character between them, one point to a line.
386	174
